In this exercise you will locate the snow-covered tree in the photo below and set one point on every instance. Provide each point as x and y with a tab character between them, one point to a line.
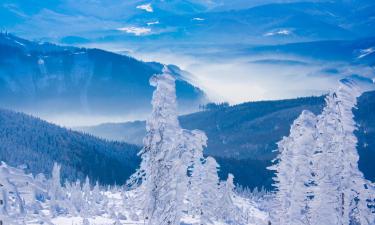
86	206
210	193
97	196
195	141
229	212
317	179
294	172
163	170
194	194
75	200
55	191
340	197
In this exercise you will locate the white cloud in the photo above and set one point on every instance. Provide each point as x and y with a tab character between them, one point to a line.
198	19
137	31
236	80
146	7
366	52
152	23
279	32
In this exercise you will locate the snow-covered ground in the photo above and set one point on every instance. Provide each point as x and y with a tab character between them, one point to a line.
33	200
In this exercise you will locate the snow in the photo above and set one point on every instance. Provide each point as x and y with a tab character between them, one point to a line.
186	219
115	206
98	220
146	7
137	31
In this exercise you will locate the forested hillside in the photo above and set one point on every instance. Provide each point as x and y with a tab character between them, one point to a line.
244	148
242	137
35	145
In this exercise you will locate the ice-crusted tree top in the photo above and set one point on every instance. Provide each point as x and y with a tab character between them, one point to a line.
162	126
344	98
301	131
304	125
164	104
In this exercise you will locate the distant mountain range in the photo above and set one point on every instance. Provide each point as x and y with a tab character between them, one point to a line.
35	145
44	78
356	52
242	137
217	22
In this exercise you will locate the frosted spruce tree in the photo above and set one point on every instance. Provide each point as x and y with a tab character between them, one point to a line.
55	191
210	193
342	195
229	212
86	198
195	141
295	179
165	159
318	180
194	194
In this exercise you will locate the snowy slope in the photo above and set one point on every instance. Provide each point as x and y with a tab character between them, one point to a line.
29	199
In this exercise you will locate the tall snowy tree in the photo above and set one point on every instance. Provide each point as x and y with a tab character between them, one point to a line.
341	193
318	179
87	205
194	206
229	212
97	196
210	193
195	141
55	191
294	172
163	171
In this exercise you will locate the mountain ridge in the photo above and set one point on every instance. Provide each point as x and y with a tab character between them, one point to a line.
44	78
